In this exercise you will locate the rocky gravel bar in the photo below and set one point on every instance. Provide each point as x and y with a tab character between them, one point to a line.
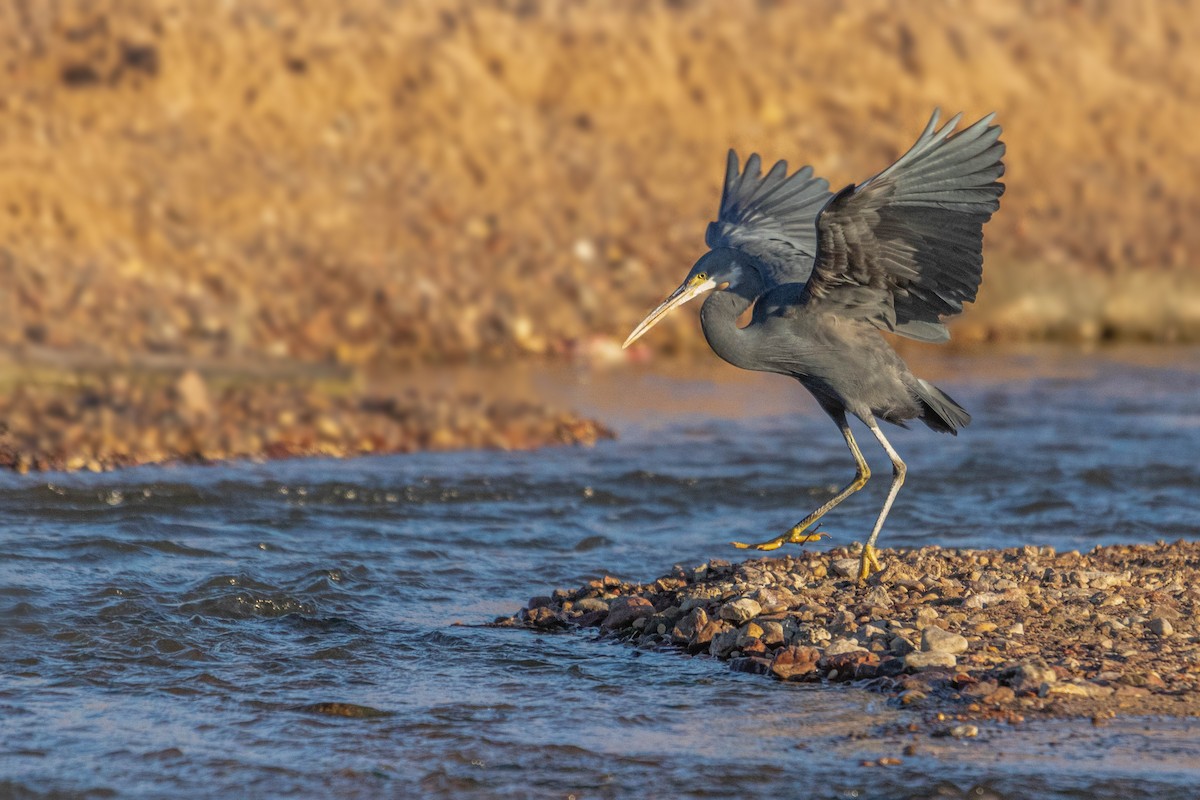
961	634
103	422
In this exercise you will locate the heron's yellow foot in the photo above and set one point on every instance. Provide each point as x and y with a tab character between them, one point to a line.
869	564
791	537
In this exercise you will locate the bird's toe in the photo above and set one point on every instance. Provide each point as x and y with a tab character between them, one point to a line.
869	564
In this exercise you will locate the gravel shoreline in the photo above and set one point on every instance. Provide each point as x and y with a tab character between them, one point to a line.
98	423
961	634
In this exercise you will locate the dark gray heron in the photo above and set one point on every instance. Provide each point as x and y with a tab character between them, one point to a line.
826	273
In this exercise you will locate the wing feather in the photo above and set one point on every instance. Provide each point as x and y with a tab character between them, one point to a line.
771	218
905	249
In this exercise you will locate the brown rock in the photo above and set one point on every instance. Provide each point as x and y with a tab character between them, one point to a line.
795	663
622	611
705	635
544	618
688	626
772	632
749	633
850	665
755	647
740	610
724	642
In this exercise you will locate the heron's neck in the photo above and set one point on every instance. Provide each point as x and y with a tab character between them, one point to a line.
718	319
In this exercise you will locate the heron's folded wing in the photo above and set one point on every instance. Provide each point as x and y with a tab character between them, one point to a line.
771	218
905	249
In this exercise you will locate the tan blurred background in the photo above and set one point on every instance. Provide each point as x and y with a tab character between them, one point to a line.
372	184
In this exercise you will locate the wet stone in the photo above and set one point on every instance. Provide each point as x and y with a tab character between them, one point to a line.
591	604
624	610
850	665
544	618
689	625
723	643
795	662
752	664
707	633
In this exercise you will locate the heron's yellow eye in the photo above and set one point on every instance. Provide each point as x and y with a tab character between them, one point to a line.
700	277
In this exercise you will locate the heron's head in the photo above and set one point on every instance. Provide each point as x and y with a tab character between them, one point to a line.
717	269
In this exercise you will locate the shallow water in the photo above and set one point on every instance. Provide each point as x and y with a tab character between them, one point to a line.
161	628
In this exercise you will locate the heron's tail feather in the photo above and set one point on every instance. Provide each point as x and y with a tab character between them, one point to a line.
942	413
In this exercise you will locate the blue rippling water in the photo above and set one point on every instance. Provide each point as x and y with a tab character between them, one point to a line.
162	630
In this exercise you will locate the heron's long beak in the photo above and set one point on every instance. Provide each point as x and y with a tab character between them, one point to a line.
687	291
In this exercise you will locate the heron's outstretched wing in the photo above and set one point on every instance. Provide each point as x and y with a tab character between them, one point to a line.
905	248
771	218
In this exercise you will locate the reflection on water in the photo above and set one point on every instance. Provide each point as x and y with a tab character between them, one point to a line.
162	630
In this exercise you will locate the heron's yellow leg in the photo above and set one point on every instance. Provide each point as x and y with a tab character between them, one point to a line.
869	561
798	534
869	564
791	537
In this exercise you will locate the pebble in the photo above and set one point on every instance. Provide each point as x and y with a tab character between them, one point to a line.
1028	676
741	610
839	646
846	567
878	596
1160	626
984	600
925	617
926	660
936	640
591	604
